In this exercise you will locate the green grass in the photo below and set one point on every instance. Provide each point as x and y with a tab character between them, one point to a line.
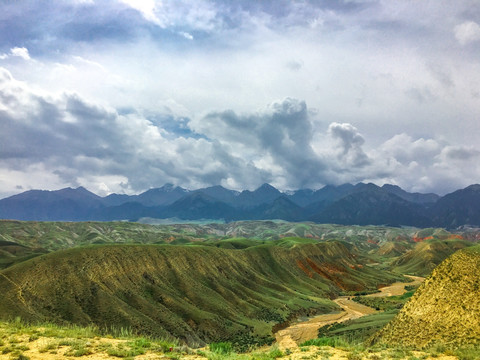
78	340
355	331
221	347
467	353
326	341
219	292
385	303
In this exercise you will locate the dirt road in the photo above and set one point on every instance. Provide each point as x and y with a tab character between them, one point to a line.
295	334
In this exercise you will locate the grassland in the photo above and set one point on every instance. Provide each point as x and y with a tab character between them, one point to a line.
46	341
195	293
232	284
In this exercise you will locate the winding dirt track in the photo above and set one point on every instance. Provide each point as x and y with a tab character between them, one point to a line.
290	337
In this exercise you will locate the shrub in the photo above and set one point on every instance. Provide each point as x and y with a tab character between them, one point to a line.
221	347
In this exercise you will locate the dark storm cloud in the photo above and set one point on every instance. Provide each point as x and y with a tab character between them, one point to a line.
73	138
78	142
121	87
277	139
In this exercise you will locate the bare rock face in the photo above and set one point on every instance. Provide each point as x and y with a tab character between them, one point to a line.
444	310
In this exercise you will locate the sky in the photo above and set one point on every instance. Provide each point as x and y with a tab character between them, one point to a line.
126	95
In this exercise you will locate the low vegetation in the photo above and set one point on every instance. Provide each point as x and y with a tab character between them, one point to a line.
19	340
221	291
385	303
444	310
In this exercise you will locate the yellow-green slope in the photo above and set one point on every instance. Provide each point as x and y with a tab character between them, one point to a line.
445	309
194	293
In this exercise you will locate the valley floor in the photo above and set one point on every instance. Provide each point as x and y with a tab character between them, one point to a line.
22	342
298	333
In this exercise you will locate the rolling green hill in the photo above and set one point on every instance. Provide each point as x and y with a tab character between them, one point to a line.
445	310
426	255
194	293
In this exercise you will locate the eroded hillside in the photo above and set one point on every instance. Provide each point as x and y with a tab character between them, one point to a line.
194	293
445	309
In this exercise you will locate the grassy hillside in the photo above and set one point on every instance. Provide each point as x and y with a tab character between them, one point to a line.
445	310
194	293
46	341
426	255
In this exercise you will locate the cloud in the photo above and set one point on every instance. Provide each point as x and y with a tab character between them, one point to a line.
17	52
459	153
351	141
146	7
20	52
404	149
276	139
186	35
55	140
387	78
74	141
467	32
294	65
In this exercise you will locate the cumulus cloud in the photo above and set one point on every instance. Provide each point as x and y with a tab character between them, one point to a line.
20	52
78	142
351	141
404	149
459	153
276	139
50	140
467	32
426	164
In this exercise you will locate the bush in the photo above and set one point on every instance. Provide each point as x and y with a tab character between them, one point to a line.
325	341
221	348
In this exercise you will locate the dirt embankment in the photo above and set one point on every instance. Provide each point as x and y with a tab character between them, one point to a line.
295	334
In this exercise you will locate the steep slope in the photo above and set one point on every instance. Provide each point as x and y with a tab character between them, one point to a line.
264	194
425	256
197	206
426	199
165	195
281	208
12	253
66	204
444	310
219	193
393	248
370	205
461	207
195	293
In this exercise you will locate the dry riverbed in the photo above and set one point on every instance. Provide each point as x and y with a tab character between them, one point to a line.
290	337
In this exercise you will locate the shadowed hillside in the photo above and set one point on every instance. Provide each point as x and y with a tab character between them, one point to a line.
195	293
445	310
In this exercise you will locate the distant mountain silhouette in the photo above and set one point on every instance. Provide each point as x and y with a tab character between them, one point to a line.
360	204
413	197
461	207
65	204
369	204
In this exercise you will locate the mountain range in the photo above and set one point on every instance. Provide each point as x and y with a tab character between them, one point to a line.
360	204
